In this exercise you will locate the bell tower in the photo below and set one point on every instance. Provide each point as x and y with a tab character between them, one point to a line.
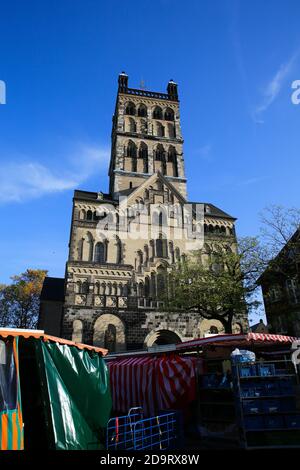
146	138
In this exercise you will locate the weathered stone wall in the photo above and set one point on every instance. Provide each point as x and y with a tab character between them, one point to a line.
139	329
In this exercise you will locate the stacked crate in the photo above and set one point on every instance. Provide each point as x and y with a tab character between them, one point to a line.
266	399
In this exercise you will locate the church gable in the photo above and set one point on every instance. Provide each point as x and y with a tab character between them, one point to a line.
155	190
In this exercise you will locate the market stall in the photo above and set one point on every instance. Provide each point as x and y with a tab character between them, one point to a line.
54	393
248	392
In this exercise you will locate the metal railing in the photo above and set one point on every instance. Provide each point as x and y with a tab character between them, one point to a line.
133	432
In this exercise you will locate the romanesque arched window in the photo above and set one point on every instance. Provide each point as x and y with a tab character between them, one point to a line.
141	289
131	149
89	215
161	281
143	150
157	113
161	246
147	287
142	111
88	247
160	153
99	253
171	131
130	109
160	130
78	287
118	251
169	114
85	287
172	157
77	331
131	125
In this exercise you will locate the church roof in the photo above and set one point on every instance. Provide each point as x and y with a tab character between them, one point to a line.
213	210
210	209
92	196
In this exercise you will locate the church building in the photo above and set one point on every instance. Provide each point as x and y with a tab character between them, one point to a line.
123	243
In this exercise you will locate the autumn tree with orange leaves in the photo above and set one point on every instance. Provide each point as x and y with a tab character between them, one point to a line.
20	301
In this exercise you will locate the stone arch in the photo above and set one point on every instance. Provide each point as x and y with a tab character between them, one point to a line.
130	109
77	331
169	114
101	326
160	129
206	327
162	336
157	113
130	125
171	130
237	328
142	111
88	247
172	160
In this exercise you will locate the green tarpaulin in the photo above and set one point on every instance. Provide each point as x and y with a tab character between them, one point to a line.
76	387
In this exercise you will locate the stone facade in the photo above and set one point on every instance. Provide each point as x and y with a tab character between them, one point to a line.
280	285
123	243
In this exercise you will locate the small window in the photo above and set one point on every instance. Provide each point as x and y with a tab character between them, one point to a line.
99	253
157	113
130	109
169	114
142	111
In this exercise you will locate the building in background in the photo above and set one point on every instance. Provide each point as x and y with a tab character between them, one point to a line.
115	280
259	327
280	285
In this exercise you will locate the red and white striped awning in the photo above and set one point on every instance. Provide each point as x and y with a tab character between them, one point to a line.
233	340
152	382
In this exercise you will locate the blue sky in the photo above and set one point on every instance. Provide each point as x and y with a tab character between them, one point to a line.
234	62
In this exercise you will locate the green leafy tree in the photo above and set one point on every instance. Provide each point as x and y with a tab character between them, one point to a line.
19	301
219	286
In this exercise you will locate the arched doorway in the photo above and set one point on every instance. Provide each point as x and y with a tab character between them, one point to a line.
109	332
162	337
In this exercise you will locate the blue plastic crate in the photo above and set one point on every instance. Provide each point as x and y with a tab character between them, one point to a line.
253	422
259	390
247	392
247	370
292	421
286	386
271	406
272	388
252	406
265	370
276	421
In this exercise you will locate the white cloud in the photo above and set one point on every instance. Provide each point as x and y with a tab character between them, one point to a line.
254	180
24	180
274	87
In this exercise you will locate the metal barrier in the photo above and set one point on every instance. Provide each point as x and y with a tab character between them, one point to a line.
120	430
132	432
157	432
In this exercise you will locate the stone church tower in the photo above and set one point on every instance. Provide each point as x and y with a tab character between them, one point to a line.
122	243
